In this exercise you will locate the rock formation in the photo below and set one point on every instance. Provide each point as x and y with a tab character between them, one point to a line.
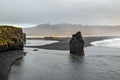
11	38
77	44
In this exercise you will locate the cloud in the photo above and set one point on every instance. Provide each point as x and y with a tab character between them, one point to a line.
58	11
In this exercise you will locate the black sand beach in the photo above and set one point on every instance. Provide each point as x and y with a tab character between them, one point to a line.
63	43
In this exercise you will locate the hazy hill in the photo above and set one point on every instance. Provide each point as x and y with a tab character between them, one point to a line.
69	29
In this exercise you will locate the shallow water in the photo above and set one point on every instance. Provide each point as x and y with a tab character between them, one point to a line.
99	63
39	42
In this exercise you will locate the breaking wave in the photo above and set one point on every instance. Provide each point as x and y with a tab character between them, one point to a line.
115	42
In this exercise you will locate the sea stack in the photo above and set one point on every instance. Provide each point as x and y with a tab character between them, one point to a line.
11	38
77	44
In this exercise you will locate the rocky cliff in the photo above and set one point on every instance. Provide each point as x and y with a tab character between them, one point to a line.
11	38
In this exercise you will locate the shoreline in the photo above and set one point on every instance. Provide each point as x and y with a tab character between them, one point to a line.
63	43
7	58
57	64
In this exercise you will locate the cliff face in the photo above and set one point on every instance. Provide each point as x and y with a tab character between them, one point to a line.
11	38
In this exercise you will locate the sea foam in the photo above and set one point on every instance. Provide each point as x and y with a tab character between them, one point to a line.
39	42
115	42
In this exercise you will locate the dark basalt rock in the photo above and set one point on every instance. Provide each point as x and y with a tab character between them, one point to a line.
77	44
11	38
6	60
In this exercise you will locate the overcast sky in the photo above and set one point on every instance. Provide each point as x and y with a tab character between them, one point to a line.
33	12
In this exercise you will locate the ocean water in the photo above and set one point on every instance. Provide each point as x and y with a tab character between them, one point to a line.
115	42
39	42
99	63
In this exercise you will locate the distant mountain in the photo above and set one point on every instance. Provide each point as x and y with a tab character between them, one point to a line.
68	29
